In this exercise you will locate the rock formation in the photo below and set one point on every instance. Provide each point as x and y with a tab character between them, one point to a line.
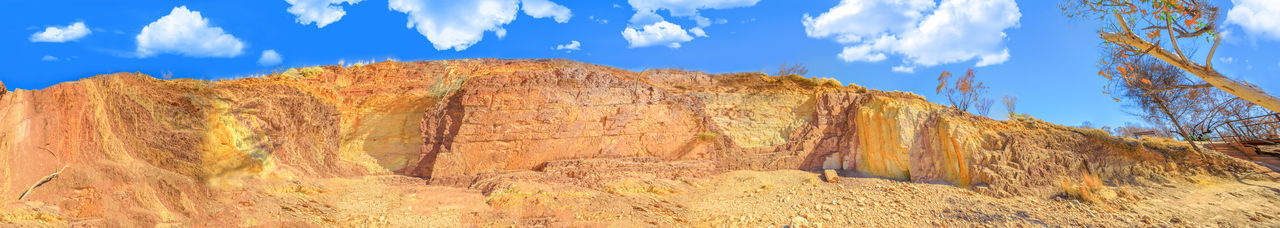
172	151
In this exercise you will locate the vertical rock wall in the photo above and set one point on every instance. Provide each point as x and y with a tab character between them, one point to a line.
522	120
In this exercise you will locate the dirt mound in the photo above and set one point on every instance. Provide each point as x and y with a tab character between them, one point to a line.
540	141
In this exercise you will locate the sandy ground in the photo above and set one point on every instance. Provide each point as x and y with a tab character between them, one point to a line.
733	199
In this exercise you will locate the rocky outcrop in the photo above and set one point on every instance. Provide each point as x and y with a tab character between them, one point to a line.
522	120
175	150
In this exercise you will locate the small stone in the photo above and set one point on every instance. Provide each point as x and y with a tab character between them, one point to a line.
830	176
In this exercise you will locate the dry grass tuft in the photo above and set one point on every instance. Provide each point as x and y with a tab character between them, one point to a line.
829	82
1086	190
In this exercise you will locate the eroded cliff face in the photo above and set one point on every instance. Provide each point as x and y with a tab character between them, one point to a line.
176	151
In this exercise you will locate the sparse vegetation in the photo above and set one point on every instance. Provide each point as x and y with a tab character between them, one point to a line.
1011	104
302	72
796	69
796	73
1086	190
984	106
860	89
965	92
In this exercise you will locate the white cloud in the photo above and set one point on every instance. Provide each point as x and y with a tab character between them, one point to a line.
904	69
457	25
923	33
661	33
49	58
698	32
321	12
598	20
54	34
685	8
544	8
571	46
270	58
993	58
861	53
646	16
187	33
1227	60
1257	17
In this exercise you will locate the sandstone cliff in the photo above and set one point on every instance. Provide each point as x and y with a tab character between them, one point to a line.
140	150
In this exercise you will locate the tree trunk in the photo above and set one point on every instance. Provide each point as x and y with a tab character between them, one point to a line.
1178	126
1242	90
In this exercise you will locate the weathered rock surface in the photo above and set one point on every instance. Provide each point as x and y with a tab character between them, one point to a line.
145	151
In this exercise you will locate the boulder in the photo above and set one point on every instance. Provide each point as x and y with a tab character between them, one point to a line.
830	176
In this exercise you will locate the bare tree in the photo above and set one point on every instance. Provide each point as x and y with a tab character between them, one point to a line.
984	106
964	92
797	69
1167	27
1011	104
1158	92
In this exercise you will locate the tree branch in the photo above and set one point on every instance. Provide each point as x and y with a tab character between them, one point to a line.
1196	86
1242	90
1174	41
42	181
1208	61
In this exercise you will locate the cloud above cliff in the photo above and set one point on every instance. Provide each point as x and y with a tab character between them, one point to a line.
660	33
648	28
1257	17
270	58
458	25
573	45
185	32
545	9
320	12
920	32
54	34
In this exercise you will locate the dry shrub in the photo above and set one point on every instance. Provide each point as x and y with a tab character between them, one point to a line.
827	82
1086	190
812	81
797	69
795	78
860	89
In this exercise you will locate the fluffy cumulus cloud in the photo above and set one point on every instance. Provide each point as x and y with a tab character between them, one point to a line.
545	9
54	34
321	12
450	24
647	28
660	33
924	34
571	46
270	58
1257	17
185	32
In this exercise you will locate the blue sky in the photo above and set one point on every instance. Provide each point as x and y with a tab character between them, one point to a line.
1050	61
